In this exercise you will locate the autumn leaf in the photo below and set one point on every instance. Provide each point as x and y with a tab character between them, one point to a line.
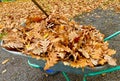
96	54
84	53
110	60
59	47
102	61
51	61
13	45
95	62
79	64
72	36
44	44
111	52
30	46
61	55
37	51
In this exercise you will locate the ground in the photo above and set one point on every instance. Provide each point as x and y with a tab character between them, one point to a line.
17	69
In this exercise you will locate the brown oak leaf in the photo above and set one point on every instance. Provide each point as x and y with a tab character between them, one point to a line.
44	44
13	45
110	60
51	61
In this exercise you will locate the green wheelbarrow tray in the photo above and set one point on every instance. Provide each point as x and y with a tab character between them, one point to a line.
60	67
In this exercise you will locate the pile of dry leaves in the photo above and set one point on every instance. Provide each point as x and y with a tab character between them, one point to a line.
71	8
57	38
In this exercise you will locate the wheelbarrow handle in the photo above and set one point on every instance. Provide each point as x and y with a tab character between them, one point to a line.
112	35
33	65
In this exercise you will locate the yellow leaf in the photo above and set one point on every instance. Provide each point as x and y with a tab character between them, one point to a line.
46	35
61	27
102	61
111	52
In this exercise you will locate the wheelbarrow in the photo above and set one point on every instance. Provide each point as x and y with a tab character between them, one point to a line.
60	67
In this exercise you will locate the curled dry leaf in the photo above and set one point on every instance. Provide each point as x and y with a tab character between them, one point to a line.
59	47
84	53
81	63
111	52
44	44
61	55
110	60
13	45
97	54
51	61
56	40
72	36
37	51
95	62
102	61
66	63
30	46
